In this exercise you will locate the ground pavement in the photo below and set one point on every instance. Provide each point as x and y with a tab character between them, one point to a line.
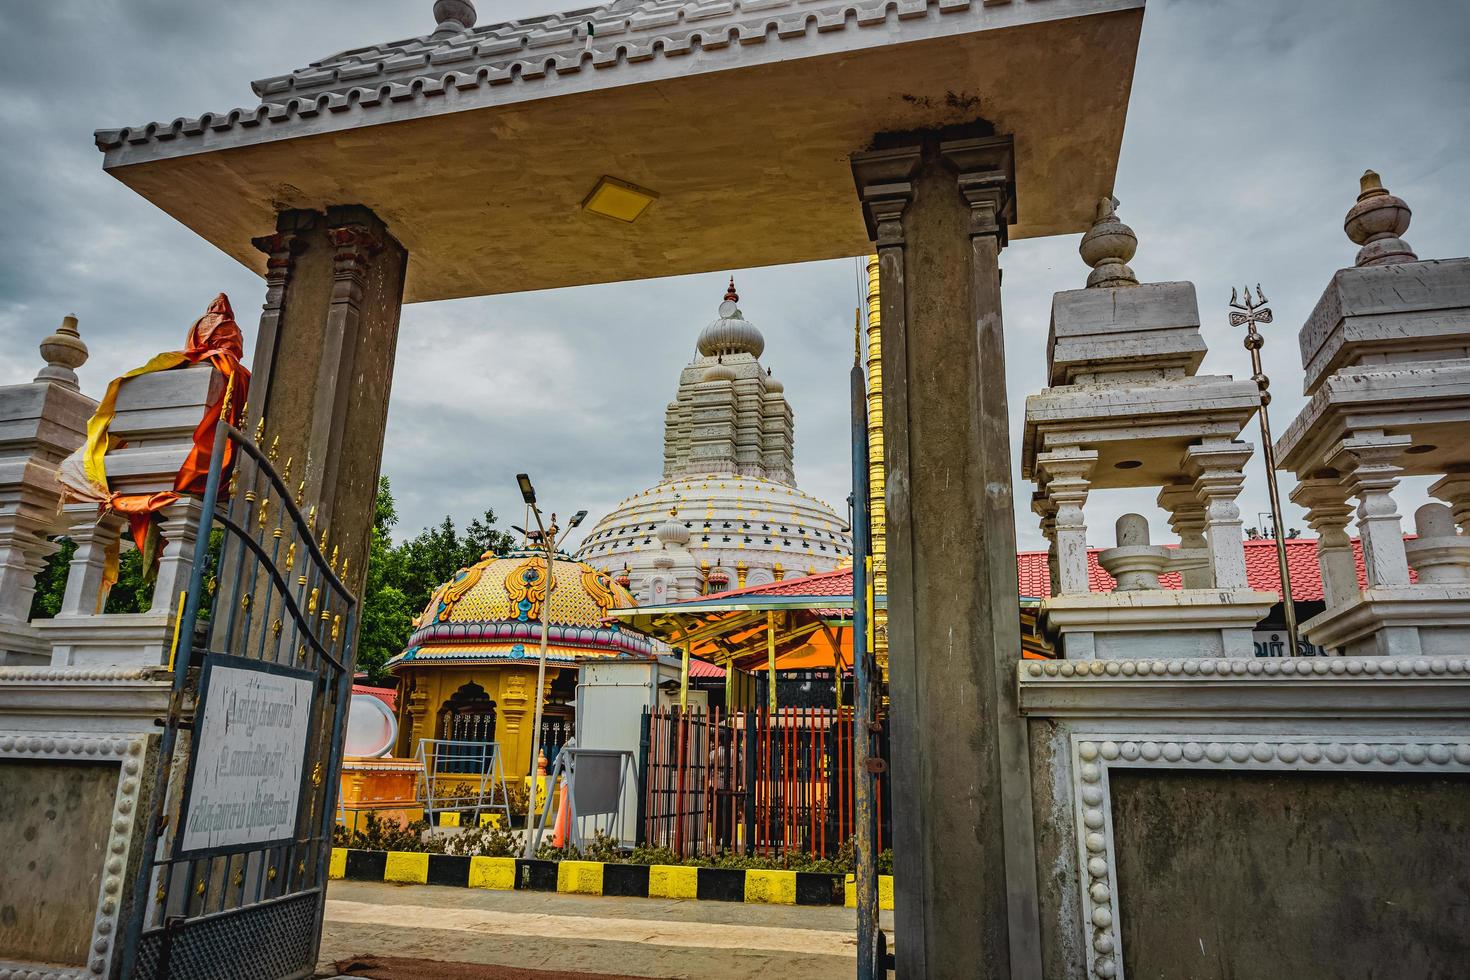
389	932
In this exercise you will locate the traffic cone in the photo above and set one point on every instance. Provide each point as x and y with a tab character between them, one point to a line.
563	819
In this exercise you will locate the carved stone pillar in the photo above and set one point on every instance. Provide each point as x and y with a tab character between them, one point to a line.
968	898
1068	475
179	529
1368	462
1187	520
1454	489
86	593
1328	513
1218	468
324	361
1045	508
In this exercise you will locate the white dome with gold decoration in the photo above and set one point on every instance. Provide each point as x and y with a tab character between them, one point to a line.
491	613
727	475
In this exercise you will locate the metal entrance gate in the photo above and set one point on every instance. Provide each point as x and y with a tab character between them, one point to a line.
237	852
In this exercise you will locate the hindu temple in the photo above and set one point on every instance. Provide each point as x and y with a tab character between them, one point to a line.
468	673
727	512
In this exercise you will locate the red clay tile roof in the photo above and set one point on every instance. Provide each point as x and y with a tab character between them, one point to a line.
1035	581
1260	570
702	668
838	582
386	695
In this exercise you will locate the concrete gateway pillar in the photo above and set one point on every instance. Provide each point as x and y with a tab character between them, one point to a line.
324	362
967	896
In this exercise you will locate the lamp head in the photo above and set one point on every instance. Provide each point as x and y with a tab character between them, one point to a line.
528	492
577	518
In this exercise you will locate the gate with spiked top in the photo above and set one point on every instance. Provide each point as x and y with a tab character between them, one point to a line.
233	877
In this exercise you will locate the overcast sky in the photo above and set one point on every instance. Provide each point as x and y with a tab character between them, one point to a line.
1249	124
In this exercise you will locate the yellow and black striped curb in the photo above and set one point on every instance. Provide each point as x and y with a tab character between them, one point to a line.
599	878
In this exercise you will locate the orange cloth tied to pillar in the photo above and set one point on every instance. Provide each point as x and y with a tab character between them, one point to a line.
215	338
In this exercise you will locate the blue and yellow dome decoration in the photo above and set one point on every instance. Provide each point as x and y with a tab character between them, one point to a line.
491	612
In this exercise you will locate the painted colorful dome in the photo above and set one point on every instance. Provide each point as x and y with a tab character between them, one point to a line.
491	612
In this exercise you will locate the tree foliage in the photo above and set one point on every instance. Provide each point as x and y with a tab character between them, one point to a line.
400	578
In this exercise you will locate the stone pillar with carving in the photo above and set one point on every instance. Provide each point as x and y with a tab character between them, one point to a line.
1187	520
1126	409
40	424
324	361
1368	462
1067	474
938	212
1328	514
1382	351
1218	468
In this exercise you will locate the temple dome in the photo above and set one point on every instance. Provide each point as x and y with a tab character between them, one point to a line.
719	371
730	520
730	332
492	611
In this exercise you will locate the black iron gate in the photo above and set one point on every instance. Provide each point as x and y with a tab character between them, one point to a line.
233	881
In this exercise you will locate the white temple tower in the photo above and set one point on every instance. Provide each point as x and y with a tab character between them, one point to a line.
727	479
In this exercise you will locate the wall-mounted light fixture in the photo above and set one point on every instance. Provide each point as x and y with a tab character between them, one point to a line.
618	199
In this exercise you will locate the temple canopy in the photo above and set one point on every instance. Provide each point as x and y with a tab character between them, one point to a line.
806	620
479	146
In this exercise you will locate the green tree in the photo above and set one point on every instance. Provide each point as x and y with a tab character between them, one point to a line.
400	578
387	613
131	594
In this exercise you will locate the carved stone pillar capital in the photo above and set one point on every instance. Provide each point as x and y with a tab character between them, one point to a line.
1067	474
885	187
1368	462
1187	520
1454	489
1328	512
986	176
1218	469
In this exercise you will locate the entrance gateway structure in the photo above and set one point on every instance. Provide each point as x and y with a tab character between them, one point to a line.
464	162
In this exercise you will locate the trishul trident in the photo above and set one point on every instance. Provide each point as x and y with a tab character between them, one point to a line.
1248	313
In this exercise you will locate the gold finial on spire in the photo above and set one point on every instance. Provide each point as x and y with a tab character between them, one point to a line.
260	430
286	473
275	449
300	493
311	519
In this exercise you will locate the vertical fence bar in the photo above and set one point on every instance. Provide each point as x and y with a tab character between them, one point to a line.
640	826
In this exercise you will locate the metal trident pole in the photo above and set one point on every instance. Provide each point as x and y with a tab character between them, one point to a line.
1248	313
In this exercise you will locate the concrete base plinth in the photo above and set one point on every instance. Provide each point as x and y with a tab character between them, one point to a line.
1164	623
1412	621
118	640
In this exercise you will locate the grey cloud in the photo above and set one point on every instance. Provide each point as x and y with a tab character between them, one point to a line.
1249	124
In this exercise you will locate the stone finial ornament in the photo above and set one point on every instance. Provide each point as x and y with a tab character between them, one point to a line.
1107	247
454	15
64	352
1376	222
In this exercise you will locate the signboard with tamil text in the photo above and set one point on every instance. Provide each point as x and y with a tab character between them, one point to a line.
251	735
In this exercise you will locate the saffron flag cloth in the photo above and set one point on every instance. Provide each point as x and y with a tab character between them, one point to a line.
214	338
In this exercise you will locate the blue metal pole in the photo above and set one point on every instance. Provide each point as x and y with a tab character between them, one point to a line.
862	716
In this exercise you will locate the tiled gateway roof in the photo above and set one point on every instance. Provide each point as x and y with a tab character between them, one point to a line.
445	65
1035	579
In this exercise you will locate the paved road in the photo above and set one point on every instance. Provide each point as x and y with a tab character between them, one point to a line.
584	934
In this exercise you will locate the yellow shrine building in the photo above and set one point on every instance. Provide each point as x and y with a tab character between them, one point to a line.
468	672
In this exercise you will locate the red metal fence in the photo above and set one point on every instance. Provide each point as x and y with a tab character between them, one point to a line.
752	781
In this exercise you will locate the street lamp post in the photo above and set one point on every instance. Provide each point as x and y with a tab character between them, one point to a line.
547	538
